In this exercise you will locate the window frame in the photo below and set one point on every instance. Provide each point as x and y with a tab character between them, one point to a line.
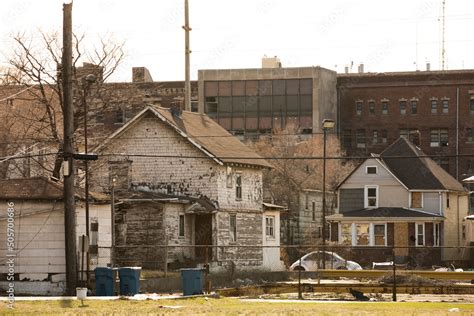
417	233
233	227
403	107
371	105
313	211
181	226
384	106
238	186
471	105
434	110
411	199
366	196
445	106
414	107
367	169
372	234
469	138
359	108
270	229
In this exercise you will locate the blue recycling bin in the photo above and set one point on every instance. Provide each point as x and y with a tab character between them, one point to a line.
105	281
129	280
193	280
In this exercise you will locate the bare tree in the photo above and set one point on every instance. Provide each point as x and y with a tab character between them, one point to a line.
35	69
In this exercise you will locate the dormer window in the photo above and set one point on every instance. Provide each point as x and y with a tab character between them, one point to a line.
371	170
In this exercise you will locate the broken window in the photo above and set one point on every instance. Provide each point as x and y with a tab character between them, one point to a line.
238	187
270	226
119	175
211	106
99	117
233	227
181	226
416	199
443	162
120	116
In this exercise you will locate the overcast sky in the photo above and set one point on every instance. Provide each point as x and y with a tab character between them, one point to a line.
385	35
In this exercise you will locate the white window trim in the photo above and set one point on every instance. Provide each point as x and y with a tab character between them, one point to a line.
272	217
366	201
372	234
367	168
416	234
436	241
410	199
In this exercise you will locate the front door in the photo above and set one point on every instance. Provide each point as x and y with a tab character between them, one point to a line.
203	236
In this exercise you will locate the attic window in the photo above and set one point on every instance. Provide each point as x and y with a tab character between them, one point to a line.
371	170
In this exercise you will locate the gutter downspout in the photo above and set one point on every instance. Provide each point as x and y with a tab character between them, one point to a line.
457	134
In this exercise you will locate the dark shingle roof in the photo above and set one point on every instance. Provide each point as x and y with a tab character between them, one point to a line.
419	172
388	212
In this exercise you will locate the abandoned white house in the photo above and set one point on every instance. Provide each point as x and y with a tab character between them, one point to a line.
182	181
401	198
36	206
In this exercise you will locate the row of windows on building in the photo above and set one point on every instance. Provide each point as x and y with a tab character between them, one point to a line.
439	137
408	106
269	226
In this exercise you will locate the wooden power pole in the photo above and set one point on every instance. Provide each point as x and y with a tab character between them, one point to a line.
187	52
68	150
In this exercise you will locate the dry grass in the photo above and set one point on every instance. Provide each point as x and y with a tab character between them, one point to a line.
230	306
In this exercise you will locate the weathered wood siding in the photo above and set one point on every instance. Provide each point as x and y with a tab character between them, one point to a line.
149	136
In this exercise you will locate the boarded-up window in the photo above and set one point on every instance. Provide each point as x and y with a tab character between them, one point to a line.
119	175
362	231
390	234
429	238
346	234
416	199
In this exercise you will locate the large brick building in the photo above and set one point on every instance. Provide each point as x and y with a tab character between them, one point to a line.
435	109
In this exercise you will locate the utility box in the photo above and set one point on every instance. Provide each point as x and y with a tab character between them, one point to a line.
105	281
193	281
129	280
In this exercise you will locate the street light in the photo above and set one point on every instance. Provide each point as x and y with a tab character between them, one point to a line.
327	124
87	81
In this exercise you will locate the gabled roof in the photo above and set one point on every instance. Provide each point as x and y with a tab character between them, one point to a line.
419	172
388	212
39	188
202	132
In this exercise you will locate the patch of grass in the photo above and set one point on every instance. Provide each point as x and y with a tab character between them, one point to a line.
229	306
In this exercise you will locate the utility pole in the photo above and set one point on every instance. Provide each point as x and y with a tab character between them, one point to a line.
68	149
187	52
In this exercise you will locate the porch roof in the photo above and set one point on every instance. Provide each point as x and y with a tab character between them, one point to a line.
385	213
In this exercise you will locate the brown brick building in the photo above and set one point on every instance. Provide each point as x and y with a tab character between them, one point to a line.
435	109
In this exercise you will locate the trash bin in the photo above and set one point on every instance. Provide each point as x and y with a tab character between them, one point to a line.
192	281
105	281
129	280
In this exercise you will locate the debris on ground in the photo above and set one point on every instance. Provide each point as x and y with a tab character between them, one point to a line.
412	280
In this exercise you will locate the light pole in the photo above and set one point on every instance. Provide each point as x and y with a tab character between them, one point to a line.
327	124
87	82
